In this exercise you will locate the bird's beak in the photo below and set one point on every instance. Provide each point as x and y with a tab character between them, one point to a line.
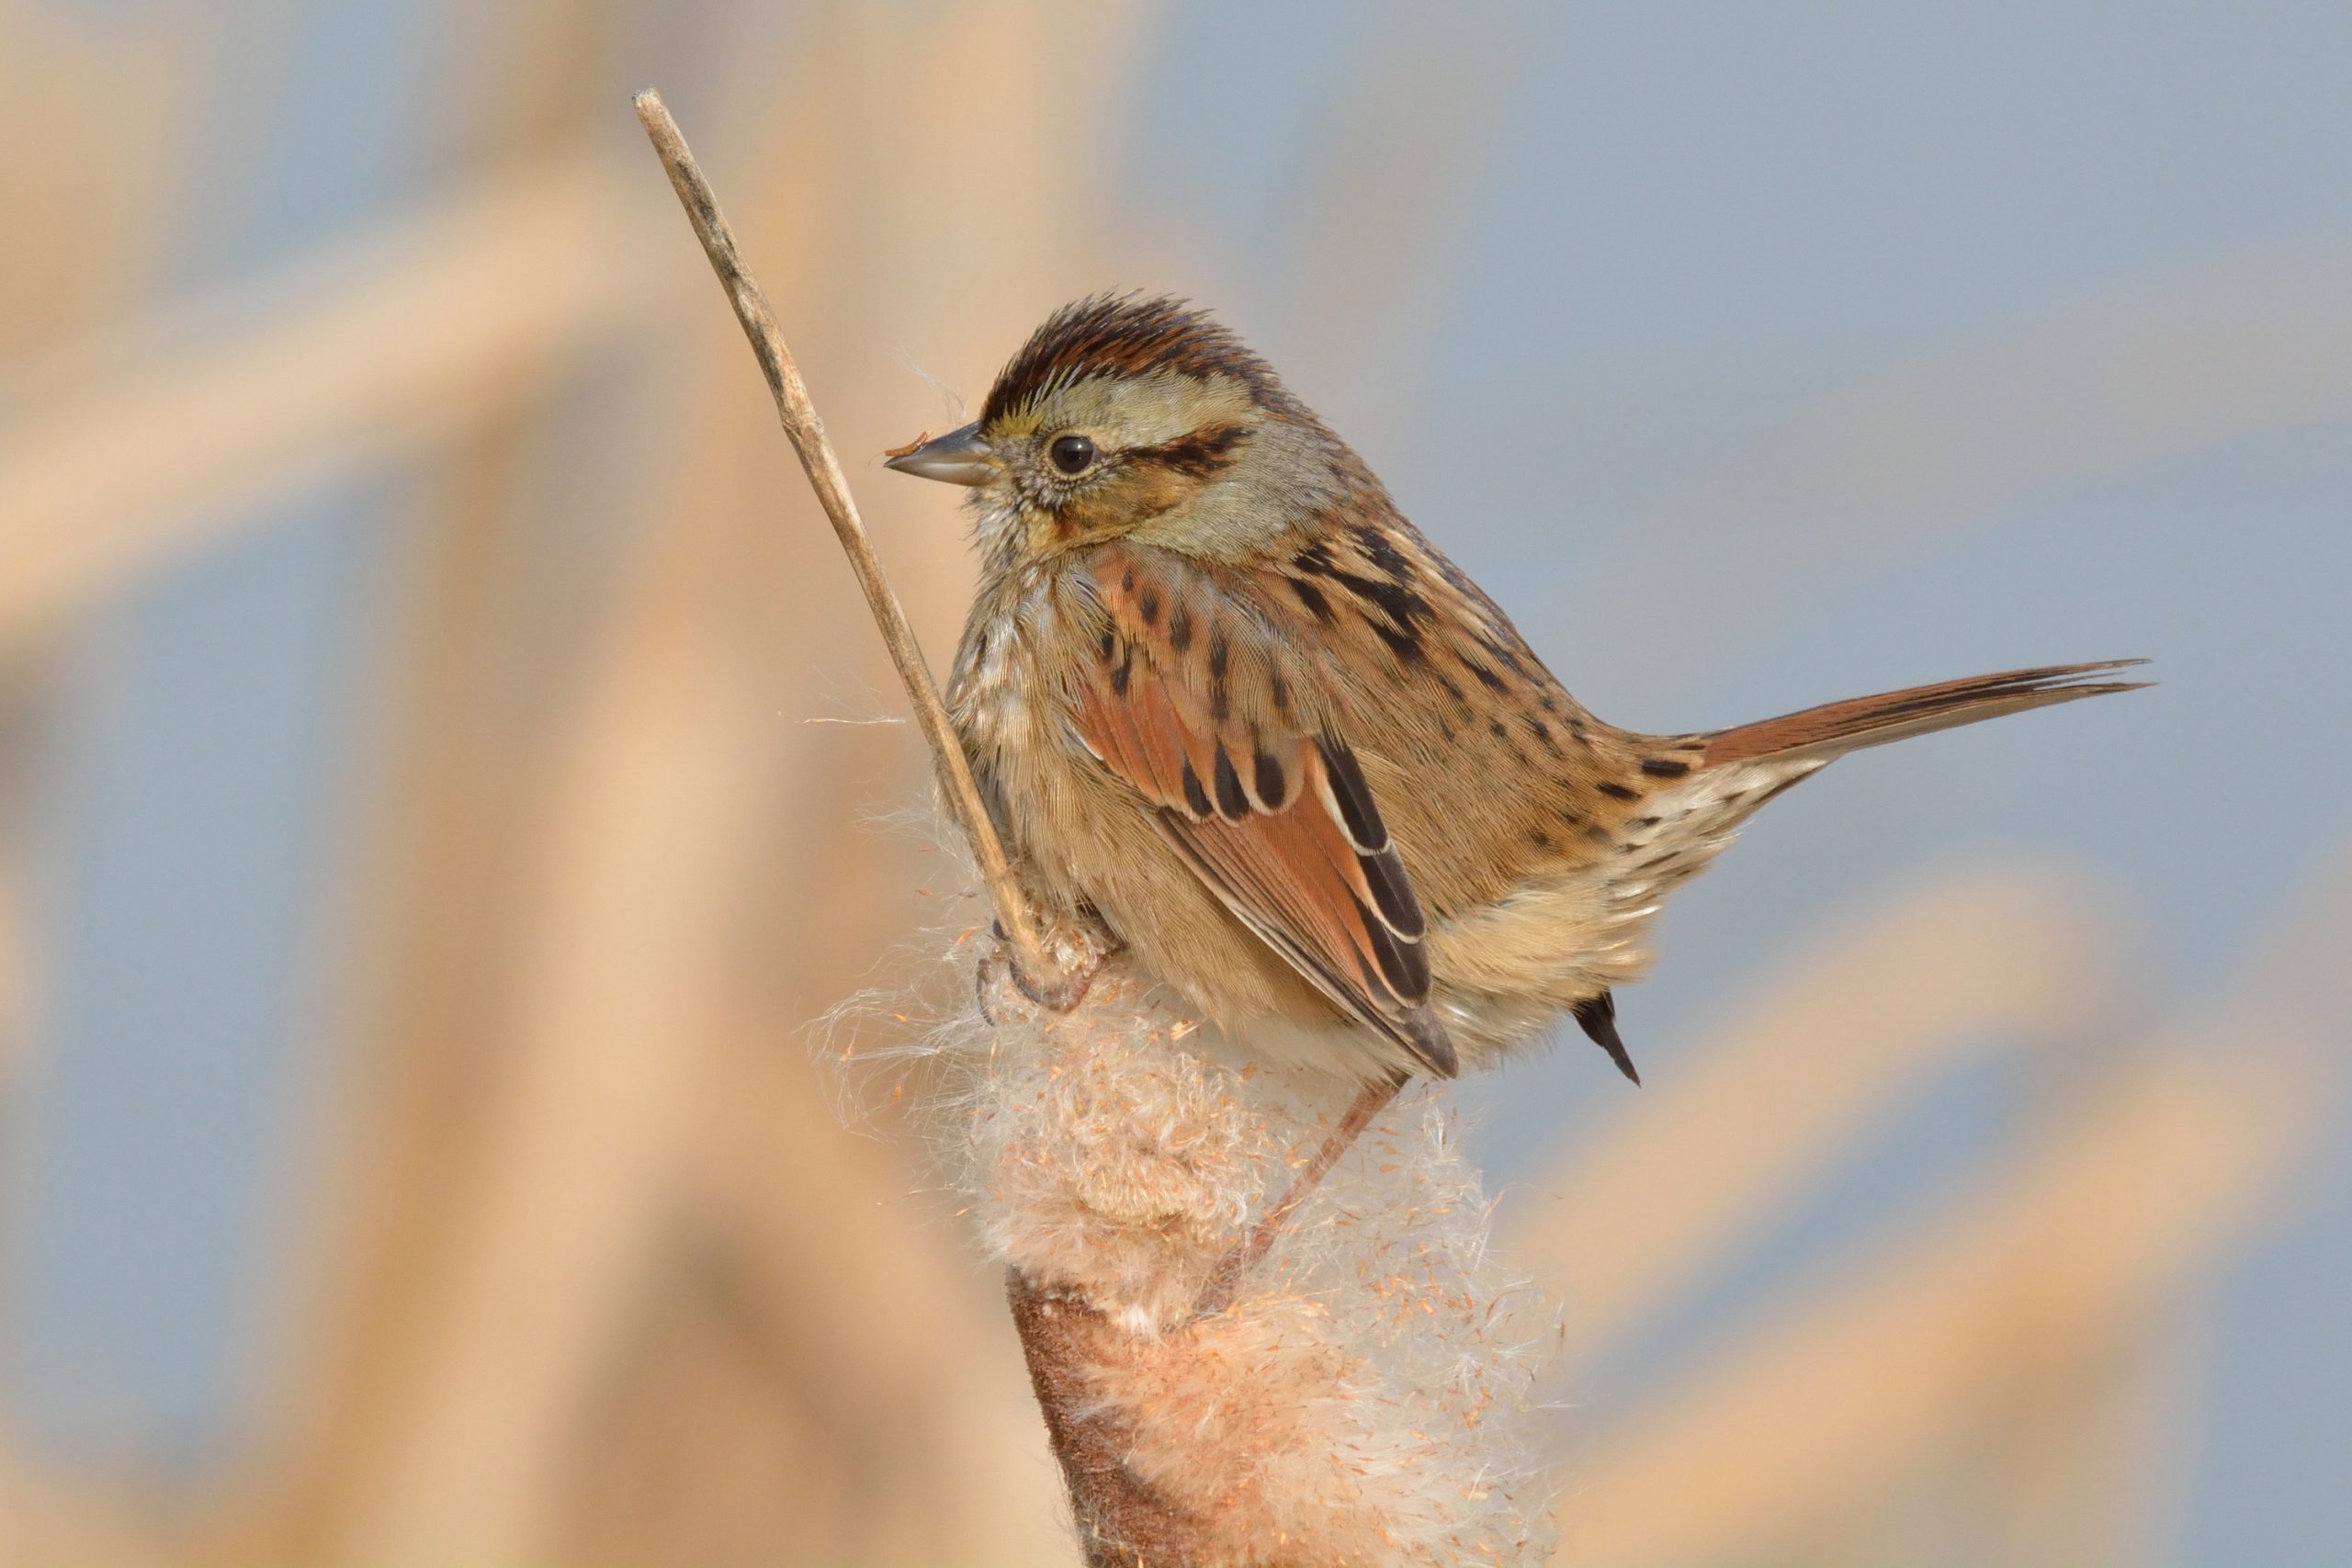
958	457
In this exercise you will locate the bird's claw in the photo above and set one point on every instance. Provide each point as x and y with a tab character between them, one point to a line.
1079	955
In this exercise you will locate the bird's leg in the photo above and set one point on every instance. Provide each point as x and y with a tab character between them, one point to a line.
1226	1282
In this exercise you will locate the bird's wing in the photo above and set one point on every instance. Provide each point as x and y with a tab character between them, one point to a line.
1190	698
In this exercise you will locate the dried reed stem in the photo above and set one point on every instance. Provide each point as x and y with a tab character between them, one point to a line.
807	433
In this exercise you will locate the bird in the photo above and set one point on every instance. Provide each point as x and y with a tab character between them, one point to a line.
1227	707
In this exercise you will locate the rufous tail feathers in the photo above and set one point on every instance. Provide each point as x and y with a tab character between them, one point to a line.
1834	729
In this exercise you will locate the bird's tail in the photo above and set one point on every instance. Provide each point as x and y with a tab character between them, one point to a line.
1834	729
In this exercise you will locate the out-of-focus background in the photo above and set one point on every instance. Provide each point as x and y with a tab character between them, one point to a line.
444	767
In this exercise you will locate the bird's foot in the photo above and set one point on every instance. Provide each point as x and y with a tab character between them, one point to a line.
1077	953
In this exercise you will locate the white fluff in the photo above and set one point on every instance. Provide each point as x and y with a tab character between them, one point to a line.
1368	1398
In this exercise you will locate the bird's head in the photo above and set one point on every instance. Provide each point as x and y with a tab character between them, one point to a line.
1130	415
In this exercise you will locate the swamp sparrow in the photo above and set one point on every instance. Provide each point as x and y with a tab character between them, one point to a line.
1223	699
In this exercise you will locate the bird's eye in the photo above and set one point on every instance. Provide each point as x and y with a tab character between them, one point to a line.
1071	454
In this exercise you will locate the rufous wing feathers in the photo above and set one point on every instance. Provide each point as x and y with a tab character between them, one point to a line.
1275	819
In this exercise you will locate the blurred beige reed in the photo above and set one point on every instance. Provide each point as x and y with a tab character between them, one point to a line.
1247	1347
578	1265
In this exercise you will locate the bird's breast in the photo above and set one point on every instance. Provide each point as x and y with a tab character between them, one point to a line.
1006	699
992	691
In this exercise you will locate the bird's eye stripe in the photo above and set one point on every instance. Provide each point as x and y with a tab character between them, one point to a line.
1201	455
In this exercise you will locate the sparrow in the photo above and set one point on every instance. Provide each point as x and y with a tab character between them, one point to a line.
1225	703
